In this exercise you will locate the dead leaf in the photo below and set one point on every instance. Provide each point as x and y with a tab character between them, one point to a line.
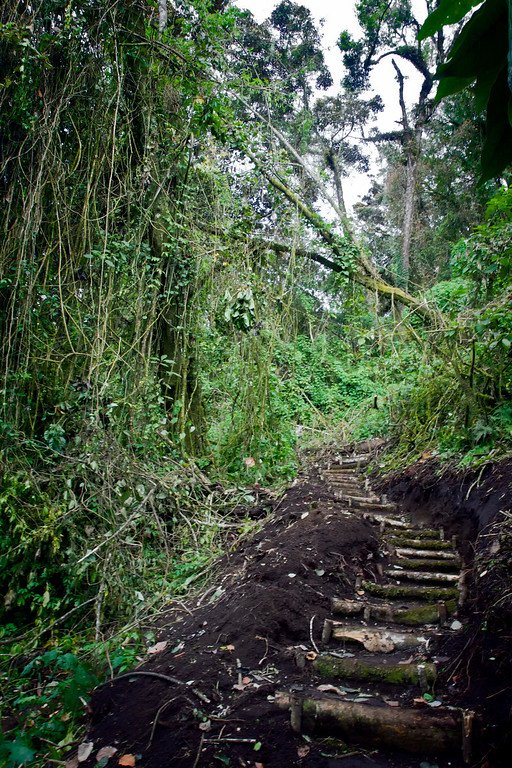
105	752
127	760
206	726
303	751
246	680
84	750
249	461
72	762
158	647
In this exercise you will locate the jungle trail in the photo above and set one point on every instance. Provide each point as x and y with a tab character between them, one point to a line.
255	448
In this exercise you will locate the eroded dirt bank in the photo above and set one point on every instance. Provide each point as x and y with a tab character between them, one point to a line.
228	651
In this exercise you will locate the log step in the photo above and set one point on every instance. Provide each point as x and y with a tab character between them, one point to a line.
412	614
413	533
382	671
361	499
419	731
353	461
402	541
374	506
411	552
373	639
420	592
442	578
427	564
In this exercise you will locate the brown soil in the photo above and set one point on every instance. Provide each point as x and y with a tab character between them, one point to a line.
237	643
250	625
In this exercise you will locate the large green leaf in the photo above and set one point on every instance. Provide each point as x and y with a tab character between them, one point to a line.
482	44
448	12
497	150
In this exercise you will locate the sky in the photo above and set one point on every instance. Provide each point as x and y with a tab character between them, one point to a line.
340	15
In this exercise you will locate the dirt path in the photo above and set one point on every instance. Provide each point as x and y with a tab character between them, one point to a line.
322	643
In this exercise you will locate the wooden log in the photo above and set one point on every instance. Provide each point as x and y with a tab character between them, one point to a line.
406	552
378	639
436	544
414	533
347	607
382	520
418	591
418	731
361	669
375	505
354	500
412	615
442	578
426	564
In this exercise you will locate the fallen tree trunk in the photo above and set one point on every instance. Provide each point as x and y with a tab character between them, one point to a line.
422	731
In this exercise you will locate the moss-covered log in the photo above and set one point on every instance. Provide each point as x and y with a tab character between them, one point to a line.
443	554
430	576
428	564
418	543
414	533
411	590
361	669
413	615
419	731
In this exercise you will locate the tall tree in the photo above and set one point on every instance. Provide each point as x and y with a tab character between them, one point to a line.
390	30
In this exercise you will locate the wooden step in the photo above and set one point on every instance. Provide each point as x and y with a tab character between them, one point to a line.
353	499
419	553
421	731
353	461
414	533
381	670
426	564
375	639
412	614
374	506
440	578
403	541
418	591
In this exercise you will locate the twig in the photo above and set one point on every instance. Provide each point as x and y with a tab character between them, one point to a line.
158	676
198	756
315	646
159	712
230	741
116	533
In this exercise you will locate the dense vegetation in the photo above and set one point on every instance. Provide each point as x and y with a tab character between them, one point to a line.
186	302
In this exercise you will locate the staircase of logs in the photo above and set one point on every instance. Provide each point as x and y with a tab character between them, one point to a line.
383	640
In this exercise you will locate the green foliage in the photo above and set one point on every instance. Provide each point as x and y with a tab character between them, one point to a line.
479	55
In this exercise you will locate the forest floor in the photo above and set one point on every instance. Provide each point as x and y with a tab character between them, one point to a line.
222	656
